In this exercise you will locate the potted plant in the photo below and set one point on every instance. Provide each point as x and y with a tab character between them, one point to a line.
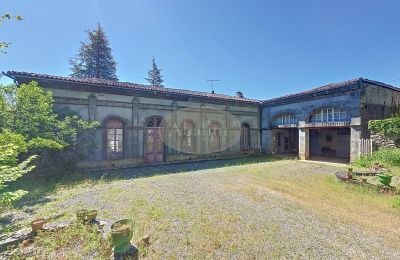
385	179
81	215
121	235
377	167
37	224
91	215
350	173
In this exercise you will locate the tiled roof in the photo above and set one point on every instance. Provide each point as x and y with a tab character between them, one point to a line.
331	86
128	85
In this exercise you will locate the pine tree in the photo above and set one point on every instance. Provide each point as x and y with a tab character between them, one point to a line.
94	59
154	75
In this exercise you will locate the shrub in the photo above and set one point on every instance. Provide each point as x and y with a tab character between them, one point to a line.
386	127
388	157
28	117
10	171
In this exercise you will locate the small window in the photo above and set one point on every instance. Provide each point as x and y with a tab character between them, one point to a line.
329	138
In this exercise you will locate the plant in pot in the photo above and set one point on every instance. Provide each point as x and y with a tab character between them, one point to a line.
385	179
37	224
81	215
350	173
121	235
377	167
91	215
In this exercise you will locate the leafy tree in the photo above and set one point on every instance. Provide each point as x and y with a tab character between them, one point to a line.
94	59
154	75
33	112
3	107
4	45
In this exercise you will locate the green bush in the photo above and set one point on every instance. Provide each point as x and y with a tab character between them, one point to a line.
386	127
387	157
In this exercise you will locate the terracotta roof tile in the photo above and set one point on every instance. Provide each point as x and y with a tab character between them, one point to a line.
128	85
331	86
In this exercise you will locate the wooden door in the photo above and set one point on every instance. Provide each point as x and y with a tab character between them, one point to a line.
154	144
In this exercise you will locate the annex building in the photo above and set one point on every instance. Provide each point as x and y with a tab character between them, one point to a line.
142	124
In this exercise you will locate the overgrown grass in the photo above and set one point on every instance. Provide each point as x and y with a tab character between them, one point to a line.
76	241
387	157
219	212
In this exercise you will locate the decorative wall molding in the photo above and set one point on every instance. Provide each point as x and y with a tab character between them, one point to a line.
78	101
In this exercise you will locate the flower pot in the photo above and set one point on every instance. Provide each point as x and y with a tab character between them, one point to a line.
91	215
385	179
37	224
81	215
121	235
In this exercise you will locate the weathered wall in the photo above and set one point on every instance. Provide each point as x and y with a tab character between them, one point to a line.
377	102
350	101
135	110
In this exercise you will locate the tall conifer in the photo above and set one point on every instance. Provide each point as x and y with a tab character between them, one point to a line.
94	58
154	75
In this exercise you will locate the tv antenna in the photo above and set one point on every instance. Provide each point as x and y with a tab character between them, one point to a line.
212	84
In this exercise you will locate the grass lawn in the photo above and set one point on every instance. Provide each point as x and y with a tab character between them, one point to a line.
260	209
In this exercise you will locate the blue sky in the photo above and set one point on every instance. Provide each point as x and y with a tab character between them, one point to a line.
263	48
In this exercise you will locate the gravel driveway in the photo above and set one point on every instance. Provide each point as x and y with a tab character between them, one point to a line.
219	213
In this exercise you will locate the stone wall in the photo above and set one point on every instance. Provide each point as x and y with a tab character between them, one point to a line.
380	141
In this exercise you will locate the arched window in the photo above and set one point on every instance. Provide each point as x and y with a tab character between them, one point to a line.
245	137
329	115
285	119
188	137
215	137
114	139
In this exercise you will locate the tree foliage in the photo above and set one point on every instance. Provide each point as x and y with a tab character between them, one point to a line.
94	58
34	116
154	76
4	17
386	127
10	171
30	128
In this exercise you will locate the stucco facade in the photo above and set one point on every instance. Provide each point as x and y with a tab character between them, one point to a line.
142	124
134	108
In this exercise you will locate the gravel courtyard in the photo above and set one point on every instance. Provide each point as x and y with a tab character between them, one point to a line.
281	209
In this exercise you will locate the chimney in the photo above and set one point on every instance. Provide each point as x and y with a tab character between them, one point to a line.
239	94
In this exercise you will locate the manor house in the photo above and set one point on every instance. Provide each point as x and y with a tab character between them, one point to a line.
145	125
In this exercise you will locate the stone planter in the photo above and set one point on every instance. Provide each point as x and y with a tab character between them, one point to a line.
91	215
37	224
385	179
121	235
81	215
